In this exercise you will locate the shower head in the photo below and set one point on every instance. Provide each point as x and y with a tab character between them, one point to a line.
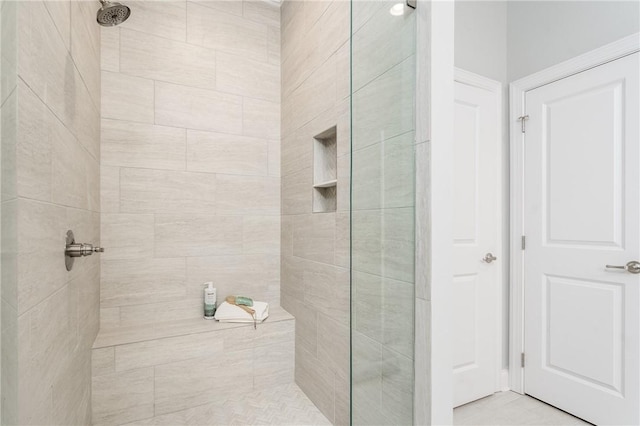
112	13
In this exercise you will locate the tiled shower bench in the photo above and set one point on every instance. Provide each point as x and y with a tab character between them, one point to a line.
155	369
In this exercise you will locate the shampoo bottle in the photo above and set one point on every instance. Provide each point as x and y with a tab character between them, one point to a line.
209	301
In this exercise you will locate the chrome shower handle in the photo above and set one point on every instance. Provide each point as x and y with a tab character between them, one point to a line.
73	250
82	249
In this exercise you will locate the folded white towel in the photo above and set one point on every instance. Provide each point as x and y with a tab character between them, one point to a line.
227	312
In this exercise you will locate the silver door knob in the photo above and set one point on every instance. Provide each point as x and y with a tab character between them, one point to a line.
632	267
489	257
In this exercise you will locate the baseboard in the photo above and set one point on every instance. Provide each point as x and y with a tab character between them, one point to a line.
504	380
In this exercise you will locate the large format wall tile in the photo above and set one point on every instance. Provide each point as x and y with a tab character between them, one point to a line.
61	13
128	144
256	276
157	58
123	397
127	236
380	45
72	177
45	65
246	195
246	77
383	242
103	361
296	192
313	237
85	46
397	387
261	118
193	108
166	19
186	384
228	154
316	94
266	12
190	158
174	310
41	271
190	235
164	351
226	32
109	48
373	124
261	235
334	345
127	98
273	45
51	174
315	81
33	156
317	381
230	7
109	189
161	191
132	282
274	364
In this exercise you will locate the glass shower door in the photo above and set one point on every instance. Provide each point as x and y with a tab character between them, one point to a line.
382	212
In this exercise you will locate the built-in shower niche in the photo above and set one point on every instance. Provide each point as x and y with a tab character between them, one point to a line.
325	158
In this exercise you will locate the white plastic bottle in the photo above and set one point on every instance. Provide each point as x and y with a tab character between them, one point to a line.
210	302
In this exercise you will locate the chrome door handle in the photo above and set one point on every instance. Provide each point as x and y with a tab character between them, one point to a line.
489	257
632	267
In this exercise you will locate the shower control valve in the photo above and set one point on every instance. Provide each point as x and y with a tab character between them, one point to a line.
73	250
82	249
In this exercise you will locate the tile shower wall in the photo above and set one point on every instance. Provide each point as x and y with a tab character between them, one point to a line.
50	183
190	158
315	246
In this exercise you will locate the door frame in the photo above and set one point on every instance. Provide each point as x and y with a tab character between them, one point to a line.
495	87
517	90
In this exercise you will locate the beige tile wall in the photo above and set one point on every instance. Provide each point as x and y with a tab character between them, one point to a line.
190	170
50	175
315	246
219	361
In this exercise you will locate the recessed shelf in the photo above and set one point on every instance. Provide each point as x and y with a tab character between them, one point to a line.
327	184
325	178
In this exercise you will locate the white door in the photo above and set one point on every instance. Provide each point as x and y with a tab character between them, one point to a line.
582	199
476	227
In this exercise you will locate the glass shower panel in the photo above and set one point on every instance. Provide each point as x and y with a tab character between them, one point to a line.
382	212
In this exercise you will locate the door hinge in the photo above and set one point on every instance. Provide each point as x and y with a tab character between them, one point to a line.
523	119
522	360
523	242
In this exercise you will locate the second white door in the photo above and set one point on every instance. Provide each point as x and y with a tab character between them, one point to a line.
582	213
476	237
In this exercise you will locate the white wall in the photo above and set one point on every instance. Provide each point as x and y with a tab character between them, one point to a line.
481	47
543	33
481	38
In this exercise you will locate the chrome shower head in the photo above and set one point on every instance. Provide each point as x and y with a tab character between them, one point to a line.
112	13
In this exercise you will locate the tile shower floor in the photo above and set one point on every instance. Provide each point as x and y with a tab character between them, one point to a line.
282	405
511	409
